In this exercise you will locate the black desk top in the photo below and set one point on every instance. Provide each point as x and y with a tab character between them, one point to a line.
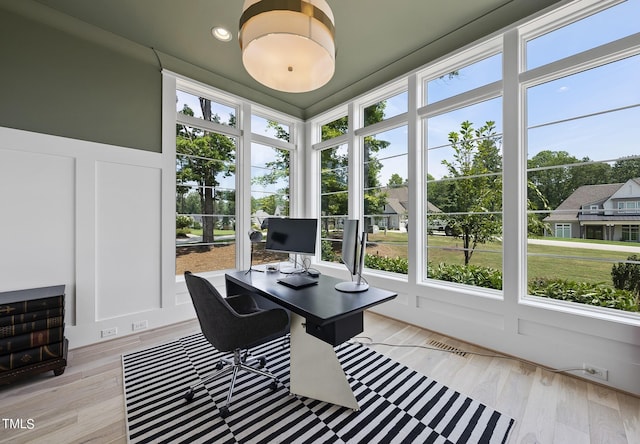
320	303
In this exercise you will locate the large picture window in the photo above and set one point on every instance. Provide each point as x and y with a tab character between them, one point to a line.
205	200
334	186
463	203
269	194
385	191
462	153
334	194
217	152
527	136
270	180
583	162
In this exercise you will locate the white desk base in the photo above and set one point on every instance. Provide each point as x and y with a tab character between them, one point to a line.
315	370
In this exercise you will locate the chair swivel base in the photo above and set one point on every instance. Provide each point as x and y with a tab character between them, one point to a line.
239	363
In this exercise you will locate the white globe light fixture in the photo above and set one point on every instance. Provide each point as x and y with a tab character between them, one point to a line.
288	45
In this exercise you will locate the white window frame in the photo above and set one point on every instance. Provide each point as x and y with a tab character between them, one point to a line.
511	88
242	132
562	227
573	64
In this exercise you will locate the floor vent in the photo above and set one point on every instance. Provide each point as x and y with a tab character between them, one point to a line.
449	348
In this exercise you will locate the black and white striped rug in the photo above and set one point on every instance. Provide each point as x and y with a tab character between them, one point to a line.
397	404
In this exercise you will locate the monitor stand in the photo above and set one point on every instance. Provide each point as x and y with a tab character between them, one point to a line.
293	268
352	286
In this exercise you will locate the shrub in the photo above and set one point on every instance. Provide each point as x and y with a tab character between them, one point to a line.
393	264
470	275
183	221
327	252
599	295
626	276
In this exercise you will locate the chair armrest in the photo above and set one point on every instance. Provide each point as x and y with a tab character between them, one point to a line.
261	324
242	303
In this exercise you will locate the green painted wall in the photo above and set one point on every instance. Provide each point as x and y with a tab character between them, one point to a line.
55	83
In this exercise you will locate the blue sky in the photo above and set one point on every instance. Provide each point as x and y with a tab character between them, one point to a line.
599	126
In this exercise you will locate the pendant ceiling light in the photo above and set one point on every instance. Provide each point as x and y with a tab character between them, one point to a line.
288	45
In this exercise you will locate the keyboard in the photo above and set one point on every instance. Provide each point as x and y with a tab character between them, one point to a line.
298	281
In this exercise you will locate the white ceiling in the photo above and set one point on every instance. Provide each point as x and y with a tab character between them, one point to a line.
377	40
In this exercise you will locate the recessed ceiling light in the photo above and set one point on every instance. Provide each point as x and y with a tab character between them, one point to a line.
221	34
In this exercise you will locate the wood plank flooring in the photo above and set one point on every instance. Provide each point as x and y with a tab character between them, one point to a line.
86	403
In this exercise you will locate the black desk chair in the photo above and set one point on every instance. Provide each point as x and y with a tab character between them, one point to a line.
235	324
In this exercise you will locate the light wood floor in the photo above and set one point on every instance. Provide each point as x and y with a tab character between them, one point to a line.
86	403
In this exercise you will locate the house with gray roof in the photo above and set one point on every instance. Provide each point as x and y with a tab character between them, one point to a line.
396	210
606	212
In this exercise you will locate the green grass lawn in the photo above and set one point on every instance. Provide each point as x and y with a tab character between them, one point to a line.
580	265
388	237
574	264
198	232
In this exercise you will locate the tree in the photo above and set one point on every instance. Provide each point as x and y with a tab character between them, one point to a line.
589	173
334	184
335	175
396	181
557	174
278	170
336	128
437	192
475	186
555	184
204	158
625	169
267	204
189	203
374	197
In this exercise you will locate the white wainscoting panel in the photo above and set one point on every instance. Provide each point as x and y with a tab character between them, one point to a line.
37	221
128	215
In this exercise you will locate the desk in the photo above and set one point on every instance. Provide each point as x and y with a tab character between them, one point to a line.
321	317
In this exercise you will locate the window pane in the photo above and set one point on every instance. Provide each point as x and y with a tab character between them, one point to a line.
611	24
336	128
270	128
333	200
206	109
439	147
588	92
386	200
269	194
465	79
385	109
584	182
464	196
205	200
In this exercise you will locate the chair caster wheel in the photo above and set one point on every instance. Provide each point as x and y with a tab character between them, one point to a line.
219	365
262	361
189	395
224	412
273	385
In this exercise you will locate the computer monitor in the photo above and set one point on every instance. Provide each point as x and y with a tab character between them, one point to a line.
353	251
291	235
